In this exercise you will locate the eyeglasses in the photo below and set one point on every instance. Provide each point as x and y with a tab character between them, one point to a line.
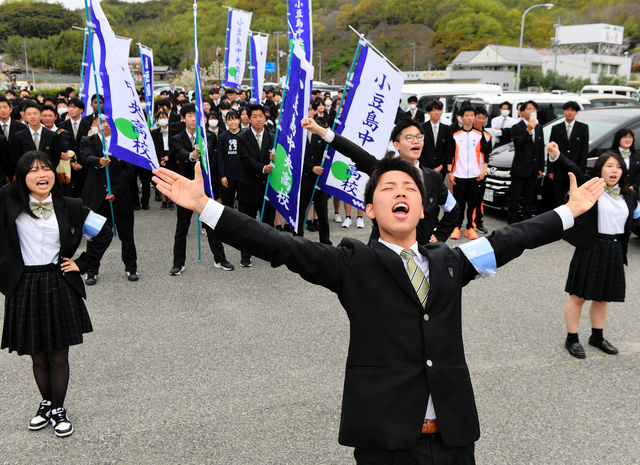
411	137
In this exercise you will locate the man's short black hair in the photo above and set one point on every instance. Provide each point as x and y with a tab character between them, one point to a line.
403	124
232	115
76	102
9	91
480	111
524	105
466	108
70	89
6	100
225	105
255	107
231	91
29	104
164	102
391	163
314	104
64	93
187	108
434	105
571	105
93	97
505	103
50	108
413	98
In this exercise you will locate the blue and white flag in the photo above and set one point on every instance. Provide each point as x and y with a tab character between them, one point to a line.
284	182
299	15
259	45
146	55
367	119
89	88
236	50
130	137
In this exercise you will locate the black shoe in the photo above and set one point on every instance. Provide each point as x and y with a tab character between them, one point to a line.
482	229
288	228
575	349
163	206
279	227
604	346
41	420
225	265
176	270
91	279
311	226
136	207
245	262
326	242
145	207
133	275
158	197
172	206
61	424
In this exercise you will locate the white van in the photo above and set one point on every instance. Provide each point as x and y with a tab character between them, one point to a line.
615	90
446	93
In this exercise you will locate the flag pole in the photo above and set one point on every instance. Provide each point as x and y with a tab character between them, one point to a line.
377	51
196	67
104	147
144	84
251	67
84	58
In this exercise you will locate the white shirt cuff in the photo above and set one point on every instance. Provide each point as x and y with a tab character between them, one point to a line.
553	160
565	215
212	213
328	138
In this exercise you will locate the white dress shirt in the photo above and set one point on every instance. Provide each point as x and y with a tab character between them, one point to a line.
39	238
612	214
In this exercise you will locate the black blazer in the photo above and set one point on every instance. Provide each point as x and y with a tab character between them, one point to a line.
252	181
436	194
15	128
49	144
576	149
6	163
529	150
396	357
229	165
634	171
83	130
584	233
95	187
156	136
443	151
419	115
71	214
312	157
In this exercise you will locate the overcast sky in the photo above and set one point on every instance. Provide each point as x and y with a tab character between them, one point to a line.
75	4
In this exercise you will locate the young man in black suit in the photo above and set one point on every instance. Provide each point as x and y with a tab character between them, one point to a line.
35	136
79	127
255	152
528	162
407	139
5	161
8	128
572	138
96	196
414	112
407	394
439	145
187	154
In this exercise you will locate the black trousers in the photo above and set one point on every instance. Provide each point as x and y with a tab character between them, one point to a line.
77	182
145	181
320	202
124	228
180	239
525	188
465	191
478	214
229	193
430	450
253	210
560	189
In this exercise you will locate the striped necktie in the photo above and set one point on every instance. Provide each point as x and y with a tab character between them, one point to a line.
568	132
75	129
435	135
259	137
614	192
5	129
504	121
625	154
36	140
416	276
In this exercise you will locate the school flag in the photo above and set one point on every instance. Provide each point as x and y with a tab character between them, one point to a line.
283	190
367	119
146	55
124	44
236	47
89	88
130	137
201	131
259	44
299	16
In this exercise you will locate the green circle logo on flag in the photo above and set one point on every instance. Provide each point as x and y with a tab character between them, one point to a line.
233	72
340	171
281	177
127	128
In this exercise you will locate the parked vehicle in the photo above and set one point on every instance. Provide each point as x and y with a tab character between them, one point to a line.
611	90
603	124
608	100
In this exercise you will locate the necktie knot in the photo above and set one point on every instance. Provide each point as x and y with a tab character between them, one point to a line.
625	154
614	192
43	209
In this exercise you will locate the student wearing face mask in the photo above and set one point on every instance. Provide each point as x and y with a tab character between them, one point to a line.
161	140
213	123
61	110
414	112
502	125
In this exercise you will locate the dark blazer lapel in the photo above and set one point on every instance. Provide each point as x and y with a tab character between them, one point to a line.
13	210
254	142
436	270
394	264
60	207
426	180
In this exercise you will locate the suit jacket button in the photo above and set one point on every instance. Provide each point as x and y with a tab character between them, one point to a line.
426	317
429	363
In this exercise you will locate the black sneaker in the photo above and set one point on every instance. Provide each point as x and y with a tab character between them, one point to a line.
41	419
245	262
91	279
145	207
279	227
163	206
176	270
287	228
136	207
311	227
225	265
133	275
172	206
482	229
61	424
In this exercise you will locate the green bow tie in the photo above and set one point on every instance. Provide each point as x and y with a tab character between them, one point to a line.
625	154
42	209
614	192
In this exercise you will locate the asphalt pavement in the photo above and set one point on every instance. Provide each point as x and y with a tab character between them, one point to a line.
246	366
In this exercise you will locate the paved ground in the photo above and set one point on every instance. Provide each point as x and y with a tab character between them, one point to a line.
246	367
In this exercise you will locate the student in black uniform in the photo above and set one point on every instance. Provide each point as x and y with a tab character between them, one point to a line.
162	141
44	311
229	165
624	143
601	238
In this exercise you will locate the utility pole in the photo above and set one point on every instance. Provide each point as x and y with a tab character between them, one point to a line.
319	66
25	58
278	34
413	44
555	46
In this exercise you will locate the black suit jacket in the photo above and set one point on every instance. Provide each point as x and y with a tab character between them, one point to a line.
436	193
49	144
397	357
15	128
442	152
6	163
634	171
313	154
156	136
419	115
71	214
252	181
576	149
83	129
529	150
95	187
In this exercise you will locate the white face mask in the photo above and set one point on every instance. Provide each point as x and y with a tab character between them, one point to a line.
163	122
504	113
412	106
235	107
62	111
459	120
224	113
327	102
213	123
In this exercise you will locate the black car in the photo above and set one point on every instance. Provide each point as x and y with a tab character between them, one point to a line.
603	124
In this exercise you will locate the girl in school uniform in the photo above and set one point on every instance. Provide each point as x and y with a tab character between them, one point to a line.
623	142
44	310
601	237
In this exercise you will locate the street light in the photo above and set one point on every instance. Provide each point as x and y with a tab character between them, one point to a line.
319	66
413	44
549	6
